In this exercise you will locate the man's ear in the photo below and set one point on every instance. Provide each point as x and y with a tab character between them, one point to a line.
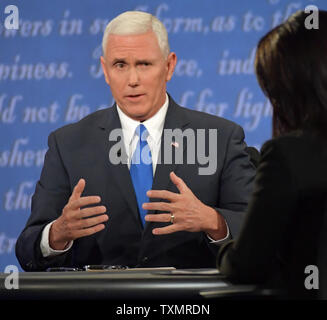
171	63
104	69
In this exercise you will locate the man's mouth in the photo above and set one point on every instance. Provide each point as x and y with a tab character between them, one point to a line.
134	97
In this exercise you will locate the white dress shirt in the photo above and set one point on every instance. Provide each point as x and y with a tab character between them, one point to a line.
154	126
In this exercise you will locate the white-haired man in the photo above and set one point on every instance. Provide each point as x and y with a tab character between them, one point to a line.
160	213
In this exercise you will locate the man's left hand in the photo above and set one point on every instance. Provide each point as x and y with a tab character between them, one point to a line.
185	211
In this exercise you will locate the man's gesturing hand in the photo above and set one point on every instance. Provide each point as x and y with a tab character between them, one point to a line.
190	214
76	222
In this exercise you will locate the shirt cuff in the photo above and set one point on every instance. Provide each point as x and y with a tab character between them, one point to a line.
219	242
45	246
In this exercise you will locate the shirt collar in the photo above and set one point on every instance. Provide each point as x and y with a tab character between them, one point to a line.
154	125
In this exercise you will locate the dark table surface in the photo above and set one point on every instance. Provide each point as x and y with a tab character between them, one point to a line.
122	284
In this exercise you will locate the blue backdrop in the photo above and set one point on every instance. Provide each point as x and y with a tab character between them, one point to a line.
50	75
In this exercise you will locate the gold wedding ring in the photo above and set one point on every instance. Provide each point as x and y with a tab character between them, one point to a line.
172	217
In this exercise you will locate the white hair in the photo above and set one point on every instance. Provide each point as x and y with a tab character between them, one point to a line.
134	23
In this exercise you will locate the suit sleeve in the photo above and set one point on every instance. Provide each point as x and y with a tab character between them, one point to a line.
236	184
51	195
272	205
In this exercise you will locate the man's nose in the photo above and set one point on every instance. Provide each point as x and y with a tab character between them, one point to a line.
134	78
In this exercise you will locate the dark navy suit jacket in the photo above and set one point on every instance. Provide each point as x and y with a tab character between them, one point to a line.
81	150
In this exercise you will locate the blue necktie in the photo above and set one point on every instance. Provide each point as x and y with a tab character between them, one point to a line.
141	169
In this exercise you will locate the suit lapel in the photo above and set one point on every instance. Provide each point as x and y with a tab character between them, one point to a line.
175	119
118	172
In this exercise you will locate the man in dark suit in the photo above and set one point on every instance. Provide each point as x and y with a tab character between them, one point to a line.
195	200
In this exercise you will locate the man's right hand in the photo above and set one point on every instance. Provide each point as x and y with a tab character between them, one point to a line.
76	222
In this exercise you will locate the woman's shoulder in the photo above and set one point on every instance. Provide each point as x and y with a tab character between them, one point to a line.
296	141
304	155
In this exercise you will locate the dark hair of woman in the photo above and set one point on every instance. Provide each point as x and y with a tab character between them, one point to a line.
284	230
291	67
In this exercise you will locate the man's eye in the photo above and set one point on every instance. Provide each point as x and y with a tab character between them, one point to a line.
120	65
